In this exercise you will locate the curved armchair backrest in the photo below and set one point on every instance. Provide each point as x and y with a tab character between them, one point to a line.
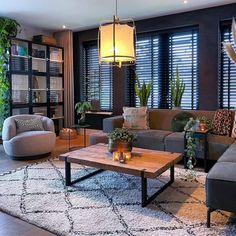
9	125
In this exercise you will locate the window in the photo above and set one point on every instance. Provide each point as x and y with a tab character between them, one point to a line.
183	53
147	66
158	56
97	79
227	82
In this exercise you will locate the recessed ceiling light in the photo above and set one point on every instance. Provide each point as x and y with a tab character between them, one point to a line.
63	27
185	1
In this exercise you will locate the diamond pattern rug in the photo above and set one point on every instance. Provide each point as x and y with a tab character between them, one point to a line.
108	203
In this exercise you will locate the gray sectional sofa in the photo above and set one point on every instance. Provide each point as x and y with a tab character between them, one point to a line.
221	179
160	135
221	183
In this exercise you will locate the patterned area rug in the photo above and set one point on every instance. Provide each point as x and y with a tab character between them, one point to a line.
108	203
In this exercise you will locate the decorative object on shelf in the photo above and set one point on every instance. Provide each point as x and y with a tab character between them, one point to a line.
120	139
230	47
45	39
180	120
177	90
8	29
143	91
68	133
82	108
116	41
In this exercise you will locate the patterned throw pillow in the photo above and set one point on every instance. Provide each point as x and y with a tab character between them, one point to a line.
29	125
233	134
222	122
135	118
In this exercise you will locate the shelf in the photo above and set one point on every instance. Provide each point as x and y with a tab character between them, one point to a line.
56	74
38	58
20	89
57	61
27	57
57	117
52	89
38	73
39	89
20	72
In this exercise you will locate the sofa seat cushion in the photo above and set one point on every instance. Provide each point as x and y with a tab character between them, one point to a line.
221	186
151	139
218	145
175	142
230	154
30	143
98	137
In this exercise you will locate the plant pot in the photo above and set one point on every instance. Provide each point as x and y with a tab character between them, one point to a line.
176	108
119	145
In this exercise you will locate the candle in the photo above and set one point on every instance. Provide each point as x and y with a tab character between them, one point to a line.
127	155
115	156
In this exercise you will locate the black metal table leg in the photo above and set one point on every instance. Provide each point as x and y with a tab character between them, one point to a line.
84	137
68	172
145	199
205	152
144	189
185	154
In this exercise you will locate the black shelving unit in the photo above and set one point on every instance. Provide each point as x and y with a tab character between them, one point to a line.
37	80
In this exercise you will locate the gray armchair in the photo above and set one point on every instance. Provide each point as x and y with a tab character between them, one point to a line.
29	143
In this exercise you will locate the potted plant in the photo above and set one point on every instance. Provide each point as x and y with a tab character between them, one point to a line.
81	108
8	30
177	90
143	91
121	139
191	145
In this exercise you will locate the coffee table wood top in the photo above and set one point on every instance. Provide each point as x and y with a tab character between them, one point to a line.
151	162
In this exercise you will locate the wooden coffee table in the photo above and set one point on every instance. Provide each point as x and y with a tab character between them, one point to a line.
144	163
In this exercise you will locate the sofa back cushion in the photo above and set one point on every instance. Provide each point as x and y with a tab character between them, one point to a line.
222	122
233	133
161	118
135	118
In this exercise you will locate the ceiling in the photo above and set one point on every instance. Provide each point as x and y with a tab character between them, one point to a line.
84	14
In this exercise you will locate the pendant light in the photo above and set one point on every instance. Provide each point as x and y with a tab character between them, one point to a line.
116	41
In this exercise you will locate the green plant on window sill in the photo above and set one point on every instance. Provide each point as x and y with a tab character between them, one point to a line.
143	91
8	30
177	90
81	108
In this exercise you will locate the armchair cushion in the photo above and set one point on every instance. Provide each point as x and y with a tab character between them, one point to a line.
34	124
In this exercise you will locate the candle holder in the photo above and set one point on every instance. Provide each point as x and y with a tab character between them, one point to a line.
121	157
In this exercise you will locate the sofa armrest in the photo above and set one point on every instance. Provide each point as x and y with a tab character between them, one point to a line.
9	129
48	124
109	124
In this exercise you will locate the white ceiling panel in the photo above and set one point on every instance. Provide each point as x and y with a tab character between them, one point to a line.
85	14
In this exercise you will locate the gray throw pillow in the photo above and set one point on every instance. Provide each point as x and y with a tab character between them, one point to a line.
34	124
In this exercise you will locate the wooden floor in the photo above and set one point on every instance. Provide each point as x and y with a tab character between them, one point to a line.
11	226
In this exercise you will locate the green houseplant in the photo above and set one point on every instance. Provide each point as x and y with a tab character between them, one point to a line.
8	30
143	91
177	90
120	138
81	108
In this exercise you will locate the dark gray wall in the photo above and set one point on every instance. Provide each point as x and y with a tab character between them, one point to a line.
208	21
